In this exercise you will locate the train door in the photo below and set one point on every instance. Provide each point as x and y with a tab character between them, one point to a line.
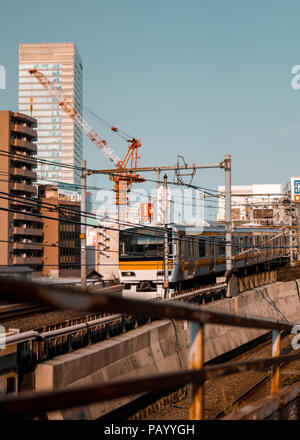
190	247
181	241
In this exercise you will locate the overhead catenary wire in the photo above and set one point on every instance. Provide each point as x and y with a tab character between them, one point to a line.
207	191
161	231
34	200
78	186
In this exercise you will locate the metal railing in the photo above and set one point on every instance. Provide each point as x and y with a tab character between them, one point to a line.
35	404
39	345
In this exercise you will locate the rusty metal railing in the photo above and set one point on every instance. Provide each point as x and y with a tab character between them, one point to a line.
39	345
30	405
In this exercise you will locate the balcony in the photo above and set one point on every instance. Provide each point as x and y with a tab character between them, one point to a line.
23	158
23	187
24	144
24	201
20	118
24	173
26	217
28	246
18	230
24	130
28	260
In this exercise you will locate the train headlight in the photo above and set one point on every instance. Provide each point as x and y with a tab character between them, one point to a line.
128	274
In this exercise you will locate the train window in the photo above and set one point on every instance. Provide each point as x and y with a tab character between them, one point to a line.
249	242
202	248
221	247
10	385
234	246
190	247
240	244
142	242
212	246
194	248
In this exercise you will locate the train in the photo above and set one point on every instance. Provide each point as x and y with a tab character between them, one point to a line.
193	254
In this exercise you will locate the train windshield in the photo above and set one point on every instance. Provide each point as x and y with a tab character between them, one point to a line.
140	242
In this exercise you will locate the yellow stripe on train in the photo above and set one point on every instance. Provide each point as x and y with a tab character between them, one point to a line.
143	265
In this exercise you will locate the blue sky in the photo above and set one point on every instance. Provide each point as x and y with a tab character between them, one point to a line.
200	78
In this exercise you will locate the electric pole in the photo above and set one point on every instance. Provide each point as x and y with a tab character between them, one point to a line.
83	224
166	240
228	216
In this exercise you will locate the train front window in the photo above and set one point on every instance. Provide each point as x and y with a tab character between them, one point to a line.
141	243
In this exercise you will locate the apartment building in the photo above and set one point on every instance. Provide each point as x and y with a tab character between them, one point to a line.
61	219
21	233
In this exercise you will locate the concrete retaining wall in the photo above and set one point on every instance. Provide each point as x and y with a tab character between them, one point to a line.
158	348
146	350
279	301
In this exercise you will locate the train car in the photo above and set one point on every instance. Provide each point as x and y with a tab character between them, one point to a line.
192	254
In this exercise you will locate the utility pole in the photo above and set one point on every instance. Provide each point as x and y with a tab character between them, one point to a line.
97	250
166	240
155	208
228	216
83	223
157	172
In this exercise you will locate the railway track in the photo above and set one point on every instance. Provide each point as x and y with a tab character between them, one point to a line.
242	398
223	395
19	309
117	324
259	389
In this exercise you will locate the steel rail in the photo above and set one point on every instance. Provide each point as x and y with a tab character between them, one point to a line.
30	404
252	388
17	309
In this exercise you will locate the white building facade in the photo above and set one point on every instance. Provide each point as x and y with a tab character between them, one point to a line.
255	204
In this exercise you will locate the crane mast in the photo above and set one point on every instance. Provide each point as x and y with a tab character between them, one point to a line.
123	180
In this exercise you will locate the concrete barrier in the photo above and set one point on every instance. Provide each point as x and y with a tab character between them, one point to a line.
161	346
279	301
158	347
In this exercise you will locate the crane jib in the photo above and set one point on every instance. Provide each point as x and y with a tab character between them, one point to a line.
71	111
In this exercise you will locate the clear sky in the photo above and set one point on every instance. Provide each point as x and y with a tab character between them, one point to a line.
200	78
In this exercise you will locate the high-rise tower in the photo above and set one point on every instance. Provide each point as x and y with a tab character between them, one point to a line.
59	138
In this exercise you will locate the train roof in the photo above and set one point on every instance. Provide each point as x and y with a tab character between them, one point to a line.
211	228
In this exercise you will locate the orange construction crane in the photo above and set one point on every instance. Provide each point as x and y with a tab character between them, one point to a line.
123	179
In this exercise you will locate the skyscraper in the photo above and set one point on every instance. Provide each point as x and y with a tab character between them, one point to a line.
59	138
